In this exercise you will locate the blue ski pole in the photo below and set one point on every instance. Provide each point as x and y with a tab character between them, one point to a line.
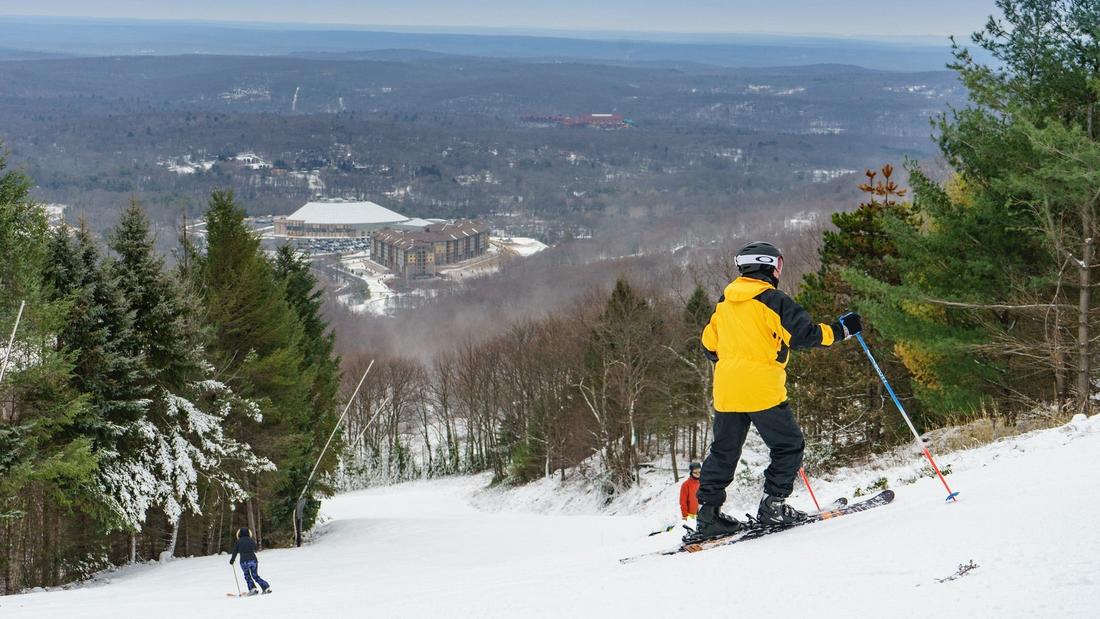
950	495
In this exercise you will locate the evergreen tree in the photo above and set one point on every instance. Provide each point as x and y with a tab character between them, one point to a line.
184	446
623	360
98	337
258	341
691	374
847	418
981	312
319	360
46	466
166	329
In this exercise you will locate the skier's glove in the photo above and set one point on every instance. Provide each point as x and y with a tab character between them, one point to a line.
231	562
710	355
848	325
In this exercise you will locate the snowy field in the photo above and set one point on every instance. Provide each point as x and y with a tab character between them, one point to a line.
1027	518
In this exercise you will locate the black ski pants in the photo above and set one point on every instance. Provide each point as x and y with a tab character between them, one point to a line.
780	431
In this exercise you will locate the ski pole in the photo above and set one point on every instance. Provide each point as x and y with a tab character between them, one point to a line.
235	580
806	480
927	454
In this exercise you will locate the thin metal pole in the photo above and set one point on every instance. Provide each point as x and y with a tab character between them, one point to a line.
951	496
11	340
354	443
325	448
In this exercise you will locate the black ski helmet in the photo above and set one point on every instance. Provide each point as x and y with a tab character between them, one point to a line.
757	257
694	466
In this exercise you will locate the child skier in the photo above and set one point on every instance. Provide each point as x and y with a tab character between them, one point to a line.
246	547
749	338
689	504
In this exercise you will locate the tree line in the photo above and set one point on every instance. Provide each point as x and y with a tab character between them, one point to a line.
148	410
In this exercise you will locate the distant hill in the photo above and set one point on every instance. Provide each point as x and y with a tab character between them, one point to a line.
22	54
99	38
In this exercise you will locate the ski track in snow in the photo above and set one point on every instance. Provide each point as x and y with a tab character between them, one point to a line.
1026	517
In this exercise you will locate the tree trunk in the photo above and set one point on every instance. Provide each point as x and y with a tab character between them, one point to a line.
1083	325
258	532
1059	357
252	518
170	551
632	455
672	445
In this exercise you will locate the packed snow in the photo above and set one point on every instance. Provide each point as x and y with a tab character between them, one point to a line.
1021	542
521	246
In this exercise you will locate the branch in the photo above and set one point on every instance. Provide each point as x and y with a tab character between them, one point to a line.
997	306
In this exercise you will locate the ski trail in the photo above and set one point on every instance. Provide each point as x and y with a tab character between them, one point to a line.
1025	518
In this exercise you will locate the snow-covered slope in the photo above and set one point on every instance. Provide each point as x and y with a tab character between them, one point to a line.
1028	518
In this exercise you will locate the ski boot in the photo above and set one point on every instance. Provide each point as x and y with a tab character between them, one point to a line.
252	592
774	511
711	523
268	590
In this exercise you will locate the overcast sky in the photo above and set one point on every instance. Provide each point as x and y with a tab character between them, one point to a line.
840	17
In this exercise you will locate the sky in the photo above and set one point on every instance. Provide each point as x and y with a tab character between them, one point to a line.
836	17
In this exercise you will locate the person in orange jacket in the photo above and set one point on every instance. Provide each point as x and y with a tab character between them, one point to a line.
749	338
689	504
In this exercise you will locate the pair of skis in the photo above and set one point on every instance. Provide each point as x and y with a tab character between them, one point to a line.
754	531
841	502
247	594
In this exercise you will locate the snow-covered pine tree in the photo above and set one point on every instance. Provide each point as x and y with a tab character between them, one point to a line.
98	338
185	446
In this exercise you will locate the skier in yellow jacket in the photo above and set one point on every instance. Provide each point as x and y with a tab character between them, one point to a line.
749	338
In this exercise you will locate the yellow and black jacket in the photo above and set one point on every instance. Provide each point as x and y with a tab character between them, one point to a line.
752	331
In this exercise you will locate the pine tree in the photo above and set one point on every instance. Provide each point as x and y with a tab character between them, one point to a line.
691	373
184	446
840	399
622	361
164	322
46	465
306	298
981	311
258	342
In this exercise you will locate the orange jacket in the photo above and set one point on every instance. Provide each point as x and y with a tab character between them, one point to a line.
689	505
